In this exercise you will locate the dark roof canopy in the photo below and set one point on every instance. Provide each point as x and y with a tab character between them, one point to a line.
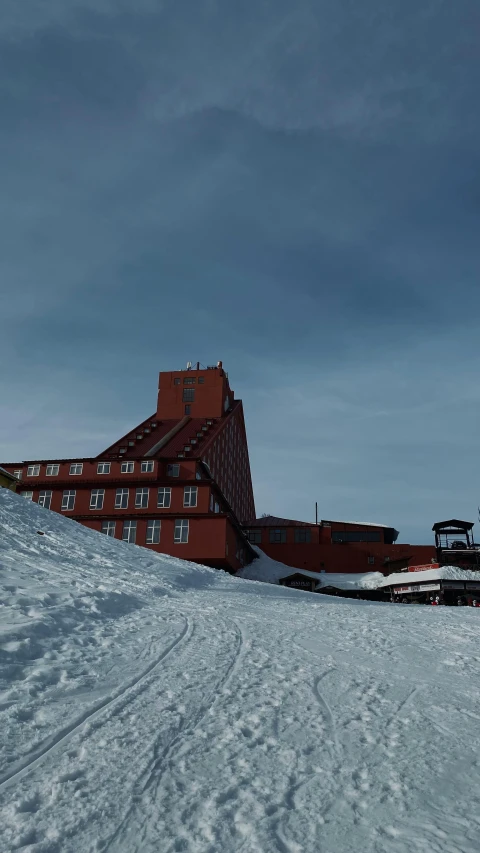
453	523
274	521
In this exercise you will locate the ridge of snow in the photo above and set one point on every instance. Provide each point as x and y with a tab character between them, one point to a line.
442	573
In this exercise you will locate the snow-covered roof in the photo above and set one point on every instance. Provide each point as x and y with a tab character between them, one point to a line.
352	580
442	573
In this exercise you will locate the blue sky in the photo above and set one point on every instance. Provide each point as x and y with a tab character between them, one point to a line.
290	187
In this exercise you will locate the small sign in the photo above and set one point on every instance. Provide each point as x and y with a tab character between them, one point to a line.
424	568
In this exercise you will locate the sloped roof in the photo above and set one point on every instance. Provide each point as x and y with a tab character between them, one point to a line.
274	521
7	474
177	442
453	522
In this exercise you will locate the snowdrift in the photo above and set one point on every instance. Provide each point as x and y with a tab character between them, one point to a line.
148	704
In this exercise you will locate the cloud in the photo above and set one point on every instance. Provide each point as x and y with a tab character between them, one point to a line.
291	187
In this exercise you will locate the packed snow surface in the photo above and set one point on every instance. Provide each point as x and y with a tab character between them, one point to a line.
148	705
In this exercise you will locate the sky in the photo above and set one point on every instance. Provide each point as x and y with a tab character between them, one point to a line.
290	187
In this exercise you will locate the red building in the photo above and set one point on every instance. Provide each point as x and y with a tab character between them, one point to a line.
335	546
178	483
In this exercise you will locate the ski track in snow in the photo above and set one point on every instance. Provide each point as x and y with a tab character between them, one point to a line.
152	706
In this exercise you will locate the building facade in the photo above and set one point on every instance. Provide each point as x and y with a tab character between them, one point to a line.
335	546
178	483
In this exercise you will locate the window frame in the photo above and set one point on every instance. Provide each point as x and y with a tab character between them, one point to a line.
55	474
165	489
72	473
34	469
111	526
107	465
188	395
45	498
256	532
129	525
140	493
120	493
181	524
97	498
27	494
171	466
154	528
277	535
67	495
302	535
150	466
18	474
129	467
190	491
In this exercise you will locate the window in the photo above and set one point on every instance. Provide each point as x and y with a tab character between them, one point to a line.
254	536
173	470
201	380
164	497
188	395
123	450
76	468
212	503
139	436
127	467
188	409
147	467
27	495
103	468
356	536
278	534
33	470
108	527
52	470
141	498
371	561
129	533
153	424
176	381
189	380
68	499
153	532
217	507
181	530
131	443
121	499
96	498
17	474
45	499
303	534
190	495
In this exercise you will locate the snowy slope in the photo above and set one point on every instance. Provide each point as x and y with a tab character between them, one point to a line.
150	705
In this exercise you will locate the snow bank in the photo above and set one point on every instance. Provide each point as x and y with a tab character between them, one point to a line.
442	573
148	704
368	580
265	569
270	571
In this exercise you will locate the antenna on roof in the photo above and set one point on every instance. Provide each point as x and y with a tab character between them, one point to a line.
189	365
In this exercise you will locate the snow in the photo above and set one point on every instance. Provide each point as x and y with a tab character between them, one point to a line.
270	571
149	705
442	573
355	580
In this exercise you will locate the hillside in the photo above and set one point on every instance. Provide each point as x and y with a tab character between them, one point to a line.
149	705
